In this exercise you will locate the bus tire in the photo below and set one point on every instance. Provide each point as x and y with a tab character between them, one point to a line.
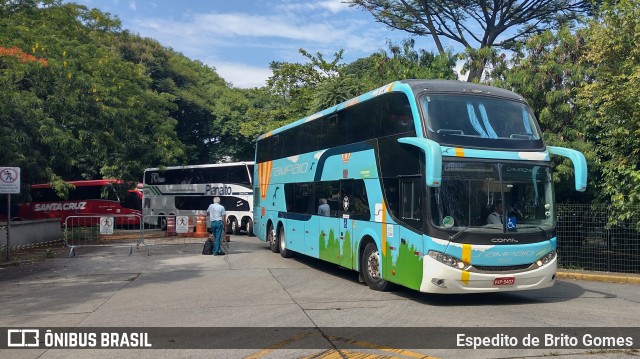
235	229
370	266
284	252
250	229
272	239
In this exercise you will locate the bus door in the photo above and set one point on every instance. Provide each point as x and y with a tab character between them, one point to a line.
328	221
404	241
298	197
354	211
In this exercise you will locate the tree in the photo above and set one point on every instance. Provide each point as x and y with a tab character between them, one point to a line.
547	71
611	99
73	108
398	62
481	26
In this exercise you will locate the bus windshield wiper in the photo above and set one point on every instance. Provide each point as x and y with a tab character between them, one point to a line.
544	231
457	234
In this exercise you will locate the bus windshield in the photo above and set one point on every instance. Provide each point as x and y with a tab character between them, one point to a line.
480	121
502	197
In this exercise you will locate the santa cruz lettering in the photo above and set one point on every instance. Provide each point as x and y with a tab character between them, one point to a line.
66	206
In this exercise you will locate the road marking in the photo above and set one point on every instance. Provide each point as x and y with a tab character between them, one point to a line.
341	353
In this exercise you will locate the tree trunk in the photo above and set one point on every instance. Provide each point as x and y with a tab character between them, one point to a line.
476	68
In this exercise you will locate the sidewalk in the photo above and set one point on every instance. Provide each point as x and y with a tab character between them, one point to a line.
608	277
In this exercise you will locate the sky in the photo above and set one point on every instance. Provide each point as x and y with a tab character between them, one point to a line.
240	38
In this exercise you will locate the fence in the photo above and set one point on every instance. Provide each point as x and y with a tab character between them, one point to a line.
133	230
586	241
164	229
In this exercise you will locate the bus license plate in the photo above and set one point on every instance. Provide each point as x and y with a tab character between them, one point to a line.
504	281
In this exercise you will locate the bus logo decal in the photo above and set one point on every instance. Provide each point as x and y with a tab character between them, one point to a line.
58	206
214	190
264	177
294	169
155	178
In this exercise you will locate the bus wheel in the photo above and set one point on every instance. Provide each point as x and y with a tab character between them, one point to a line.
250	228
162	222
370	265
284	252
235	229
272	239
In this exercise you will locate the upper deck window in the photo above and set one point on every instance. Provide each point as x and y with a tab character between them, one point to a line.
480	121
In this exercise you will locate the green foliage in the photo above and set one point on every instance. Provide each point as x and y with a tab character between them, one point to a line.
400	61
545	69
79	110
612	114
82	99
480	26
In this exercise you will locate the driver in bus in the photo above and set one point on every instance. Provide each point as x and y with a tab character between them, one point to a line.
496	216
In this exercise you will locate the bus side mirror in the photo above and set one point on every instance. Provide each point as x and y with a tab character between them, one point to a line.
579	164
433	158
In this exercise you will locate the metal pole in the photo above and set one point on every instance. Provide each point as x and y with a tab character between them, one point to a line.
8	221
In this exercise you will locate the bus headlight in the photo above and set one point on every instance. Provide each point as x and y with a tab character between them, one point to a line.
448	260
546	258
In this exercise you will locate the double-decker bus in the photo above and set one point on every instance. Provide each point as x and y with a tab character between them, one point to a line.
406	185
189	190
85	198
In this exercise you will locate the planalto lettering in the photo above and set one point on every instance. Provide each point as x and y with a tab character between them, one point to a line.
217	190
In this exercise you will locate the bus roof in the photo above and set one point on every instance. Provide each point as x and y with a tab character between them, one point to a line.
81	183
410	85
453	86
209	165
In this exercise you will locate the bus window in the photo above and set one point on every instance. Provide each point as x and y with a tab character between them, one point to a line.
331	192
362	119
333	134
309	136
396	116
411	204
354	199
132	200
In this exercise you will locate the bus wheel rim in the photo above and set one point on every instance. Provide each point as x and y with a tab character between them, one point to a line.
283	244
373	265
272	238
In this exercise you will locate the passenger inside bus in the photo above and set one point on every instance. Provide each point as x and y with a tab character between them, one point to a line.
324	209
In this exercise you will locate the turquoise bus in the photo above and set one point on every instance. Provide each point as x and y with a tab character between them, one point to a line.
439	186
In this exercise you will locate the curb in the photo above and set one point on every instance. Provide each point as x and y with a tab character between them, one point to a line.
609	278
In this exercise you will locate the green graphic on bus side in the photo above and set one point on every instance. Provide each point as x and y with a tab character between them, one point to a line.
331	251
408	267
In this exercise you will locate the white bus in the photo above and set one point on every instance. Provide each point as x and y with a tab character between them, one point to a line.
188	191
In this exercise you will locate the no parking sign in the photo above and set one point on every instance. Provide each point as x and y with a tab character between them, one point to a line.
10	180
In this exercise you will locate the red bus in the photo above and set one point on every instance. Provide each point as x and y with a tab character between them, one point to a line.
88	198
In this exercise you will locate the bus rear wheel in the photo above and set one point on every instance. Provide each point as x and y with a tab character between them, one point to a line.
370	265
250	228
284	252
272	239
235	229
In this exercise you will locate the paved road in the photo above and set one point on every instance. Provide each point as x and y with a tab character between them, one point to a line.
251	287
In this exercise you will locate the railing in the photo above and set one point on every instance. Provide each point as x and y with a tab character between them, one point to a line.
587	241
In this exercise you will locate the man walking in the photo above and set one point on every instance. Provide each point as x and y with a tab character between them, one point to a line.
217	215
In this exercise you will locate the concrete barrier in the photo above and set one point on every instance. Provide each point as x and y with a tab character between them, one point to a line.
25	233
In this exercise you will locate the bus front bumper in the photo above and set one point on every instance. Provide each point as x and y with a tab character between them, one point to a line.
440	278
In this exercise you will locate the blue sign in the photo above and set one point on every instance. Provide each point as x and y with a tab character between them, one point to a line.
512	223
